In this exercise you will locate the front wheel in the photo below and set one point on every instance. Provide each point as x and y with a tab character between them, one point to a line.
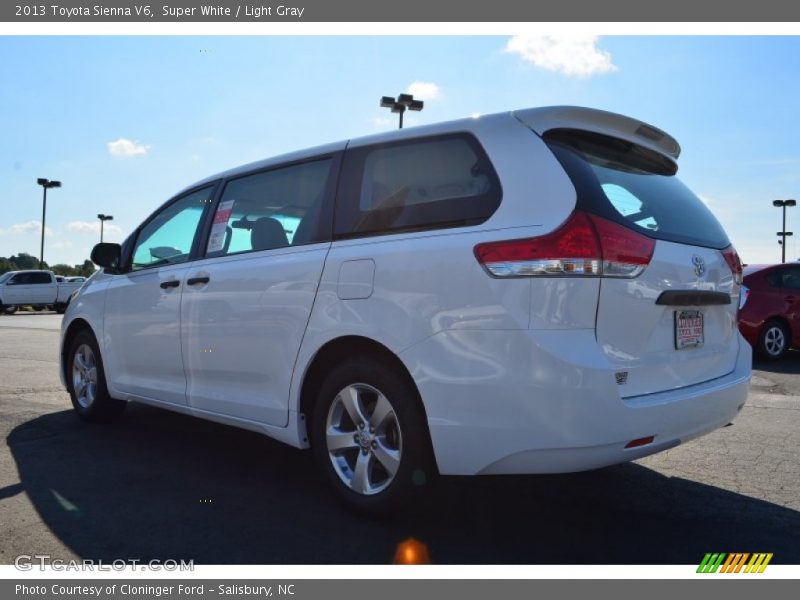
9	310
87	382
369	436
774	340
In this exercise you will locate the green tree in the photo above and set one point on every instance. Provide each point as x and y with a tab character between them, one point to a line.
23	260
65	270
7	265
86	269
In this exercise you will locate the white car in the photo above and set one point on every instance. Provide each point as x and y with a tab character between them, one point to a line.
452	298
39	289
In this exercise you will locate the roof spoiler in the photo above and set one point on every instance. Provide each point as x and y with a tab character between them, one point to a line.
544	119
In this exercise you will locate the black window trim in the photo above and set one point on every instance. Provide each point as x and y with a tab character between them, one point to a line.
130	242
328	201
361	152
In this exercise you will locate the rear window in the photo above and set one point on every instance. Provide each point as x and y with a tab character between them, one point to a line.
635	187
425	183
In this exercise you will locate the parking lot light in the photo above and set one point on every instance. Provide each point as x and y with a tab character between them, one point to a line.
402	103
103	218
783	233
46	184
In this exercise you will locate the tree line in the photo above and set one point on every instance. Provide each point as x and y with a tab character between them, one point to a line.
24	261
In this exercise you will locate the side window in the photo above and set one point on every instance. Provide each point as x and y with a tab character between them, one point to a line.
774	279
41	278
167	239
443	181
20	279
791	279
272	209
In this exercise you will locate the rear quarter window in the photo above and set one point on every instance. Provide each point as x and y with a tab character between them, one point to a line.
427	183
773	279
41	278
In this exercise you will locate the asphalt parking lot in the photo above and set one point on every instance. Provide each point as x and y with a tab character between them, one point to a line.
157	485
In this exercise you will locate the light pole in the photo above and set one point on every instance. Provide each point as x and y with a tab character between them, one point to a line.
401	104
783	233
103	218
46	184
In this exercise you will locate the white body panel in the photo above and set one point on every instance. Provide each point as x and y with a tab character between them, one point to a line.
547	402
647	351
66	289
13	294
242	330
515	375
142	338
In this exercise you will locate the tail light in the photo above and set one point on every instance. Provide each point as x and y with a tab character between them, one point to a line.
585	245
732	258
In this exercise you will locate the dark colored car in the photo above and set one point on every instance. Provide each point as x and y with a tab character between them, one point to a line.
770	315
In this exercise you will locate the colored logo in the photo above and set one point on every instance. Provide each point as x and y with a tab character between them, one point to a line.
734	563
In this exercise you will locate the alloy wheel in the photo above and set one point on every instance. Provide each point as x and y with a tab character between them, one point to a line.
774	340
363	438
84	375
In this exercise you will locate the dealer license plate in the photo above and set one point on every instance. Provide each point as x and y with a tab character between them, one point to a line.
688	329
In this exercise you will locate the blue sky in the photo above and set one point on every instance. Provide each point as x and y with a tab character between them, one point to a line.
125	122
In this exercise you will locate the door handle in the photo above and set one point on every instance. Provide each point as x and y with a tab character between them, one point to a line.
169	284
198	280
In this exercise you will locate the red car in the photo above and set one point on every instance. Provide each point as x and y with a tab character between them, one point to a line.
770	316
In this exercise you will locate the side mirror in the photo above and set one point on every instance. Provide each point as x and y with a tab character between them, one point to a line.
107	255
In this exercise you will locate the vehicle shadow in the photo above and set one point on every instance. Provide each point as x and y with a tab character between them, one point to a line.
789	363
159	485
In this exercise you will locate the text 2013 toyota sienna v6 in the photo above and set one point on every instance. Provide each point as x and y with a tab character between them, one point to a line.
527	292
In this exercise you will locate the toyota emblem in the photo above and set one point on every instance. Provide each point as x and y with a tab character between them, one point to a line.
699	265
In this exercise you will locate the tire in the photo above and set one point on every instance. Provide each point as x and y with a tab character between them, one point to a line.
774	341
360	471
38	308
87	382
9	310
61	308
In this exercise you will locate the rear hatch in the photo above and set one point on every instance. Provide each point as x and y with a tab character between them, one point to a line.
673	323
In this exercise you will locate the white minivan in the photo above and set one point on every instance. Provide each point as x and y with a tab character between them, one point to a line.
526	292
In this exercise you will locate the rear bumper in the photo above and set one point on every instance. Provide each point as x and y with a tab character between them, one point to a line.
548	402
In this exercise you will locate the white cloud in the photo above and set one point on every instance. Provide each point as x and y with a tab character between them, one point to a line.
425	90
125	148
92	227
382	122
28	227
572	55
60	245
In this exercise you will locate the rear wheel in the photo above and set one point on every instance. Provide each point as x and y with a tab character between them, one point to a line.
369	437
774	340
87	382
